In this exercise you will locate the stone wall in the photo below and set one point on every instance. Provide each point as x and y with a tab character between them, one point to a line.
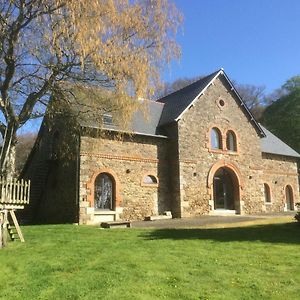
53	197
197	160
127	159
278	172
173	169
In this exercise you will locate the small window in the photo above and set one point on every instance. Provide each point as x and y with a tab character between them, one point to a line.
221	102
107	119
231	141
150	180
215	138
267	193
289	197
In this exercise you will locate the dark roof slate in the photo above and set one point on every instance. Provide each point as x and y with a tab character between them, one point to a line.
144	120
169	108
178	101
272	144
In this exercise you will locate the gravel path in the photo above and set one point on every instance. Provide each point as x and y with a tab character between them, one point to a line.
206	220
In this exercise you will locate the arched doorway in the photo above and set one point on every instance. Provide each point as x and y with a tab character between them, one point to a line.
104	192
289	197
225	189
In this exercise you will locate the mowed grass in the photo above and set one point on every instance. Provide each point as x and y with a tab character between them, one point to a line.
80	262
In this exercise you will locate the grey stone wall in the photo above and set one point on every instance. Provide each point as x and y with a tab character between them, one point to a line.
196	158
128	159
53	179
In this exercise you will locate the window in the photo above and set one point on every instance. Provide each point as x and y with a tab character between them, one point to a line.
215	139
104	192
289	197
231	141
221	102
107	119
267	193
149	180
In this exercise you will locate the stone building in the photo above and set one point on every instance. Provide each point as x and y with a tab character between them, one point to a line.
198	151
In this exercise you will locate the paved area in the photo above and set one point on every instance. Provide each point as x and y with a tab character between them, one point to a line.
206	220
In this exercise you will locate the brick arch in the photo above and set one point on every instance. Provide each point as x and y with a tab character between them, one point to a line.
237	178
91	186
293	194
266	183
221	136
236	139
224	164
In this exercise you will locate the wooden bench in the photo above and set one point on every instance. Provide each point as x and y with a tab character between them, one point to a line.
116	224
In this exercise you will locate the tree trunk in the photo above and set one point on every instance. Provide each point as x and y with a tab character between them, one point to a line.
7	170
8	152
3	228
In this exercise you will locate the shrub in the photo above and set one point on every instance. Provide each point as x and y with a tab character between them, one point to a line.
297	216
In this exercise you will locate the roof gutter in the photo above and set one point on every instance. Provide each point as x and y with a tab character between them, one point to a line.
126	132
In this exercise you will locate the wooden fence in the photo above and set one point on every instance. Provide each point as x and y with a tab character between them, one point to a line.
14	192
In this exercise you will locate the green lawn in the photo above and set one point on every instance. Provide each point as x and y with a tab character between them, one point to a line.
80	262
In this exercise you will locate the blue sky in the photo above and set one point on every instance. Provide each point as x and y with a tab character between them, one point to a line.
256	42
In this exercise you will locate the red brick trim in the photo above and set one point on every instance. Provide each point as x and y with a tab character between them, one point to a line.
293	194
91	186
224	164
223	134
218	103
270	192
236	141
279	173
221	139
154	185
187	161
237	177
120	157
272	172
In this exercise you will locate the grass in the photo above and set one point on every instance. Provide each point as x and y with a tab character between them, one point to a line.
80	262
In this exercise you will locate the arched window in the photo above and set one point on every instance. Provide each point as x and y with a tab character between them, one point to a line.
267	193
149	180
289	196
104	191
215	138
231	141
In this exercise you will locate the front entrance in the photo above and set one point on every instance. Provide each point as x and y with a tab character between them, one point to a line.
224	190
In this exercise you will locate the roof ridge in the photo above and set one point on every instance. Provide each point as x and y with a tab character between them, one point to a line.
153	101
189	85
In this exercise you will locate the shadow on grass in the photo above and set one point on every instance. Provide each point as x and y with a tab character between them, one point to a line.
273	233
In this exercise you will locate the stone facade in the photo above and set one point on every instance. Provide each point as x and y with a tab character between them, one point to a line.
183	164
127	159
253	169
52	168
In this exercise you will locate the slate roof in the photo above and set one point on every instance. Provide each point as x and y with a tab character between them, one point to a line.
143	122
272	144
169	108
178	101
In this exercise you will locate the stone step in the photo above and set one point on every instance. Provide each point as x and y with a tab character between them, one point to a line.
160	217
116	224
223	212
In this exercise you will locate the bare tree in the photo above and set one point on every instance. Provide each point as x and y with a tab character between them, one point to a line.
167	88
254	97
118	44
